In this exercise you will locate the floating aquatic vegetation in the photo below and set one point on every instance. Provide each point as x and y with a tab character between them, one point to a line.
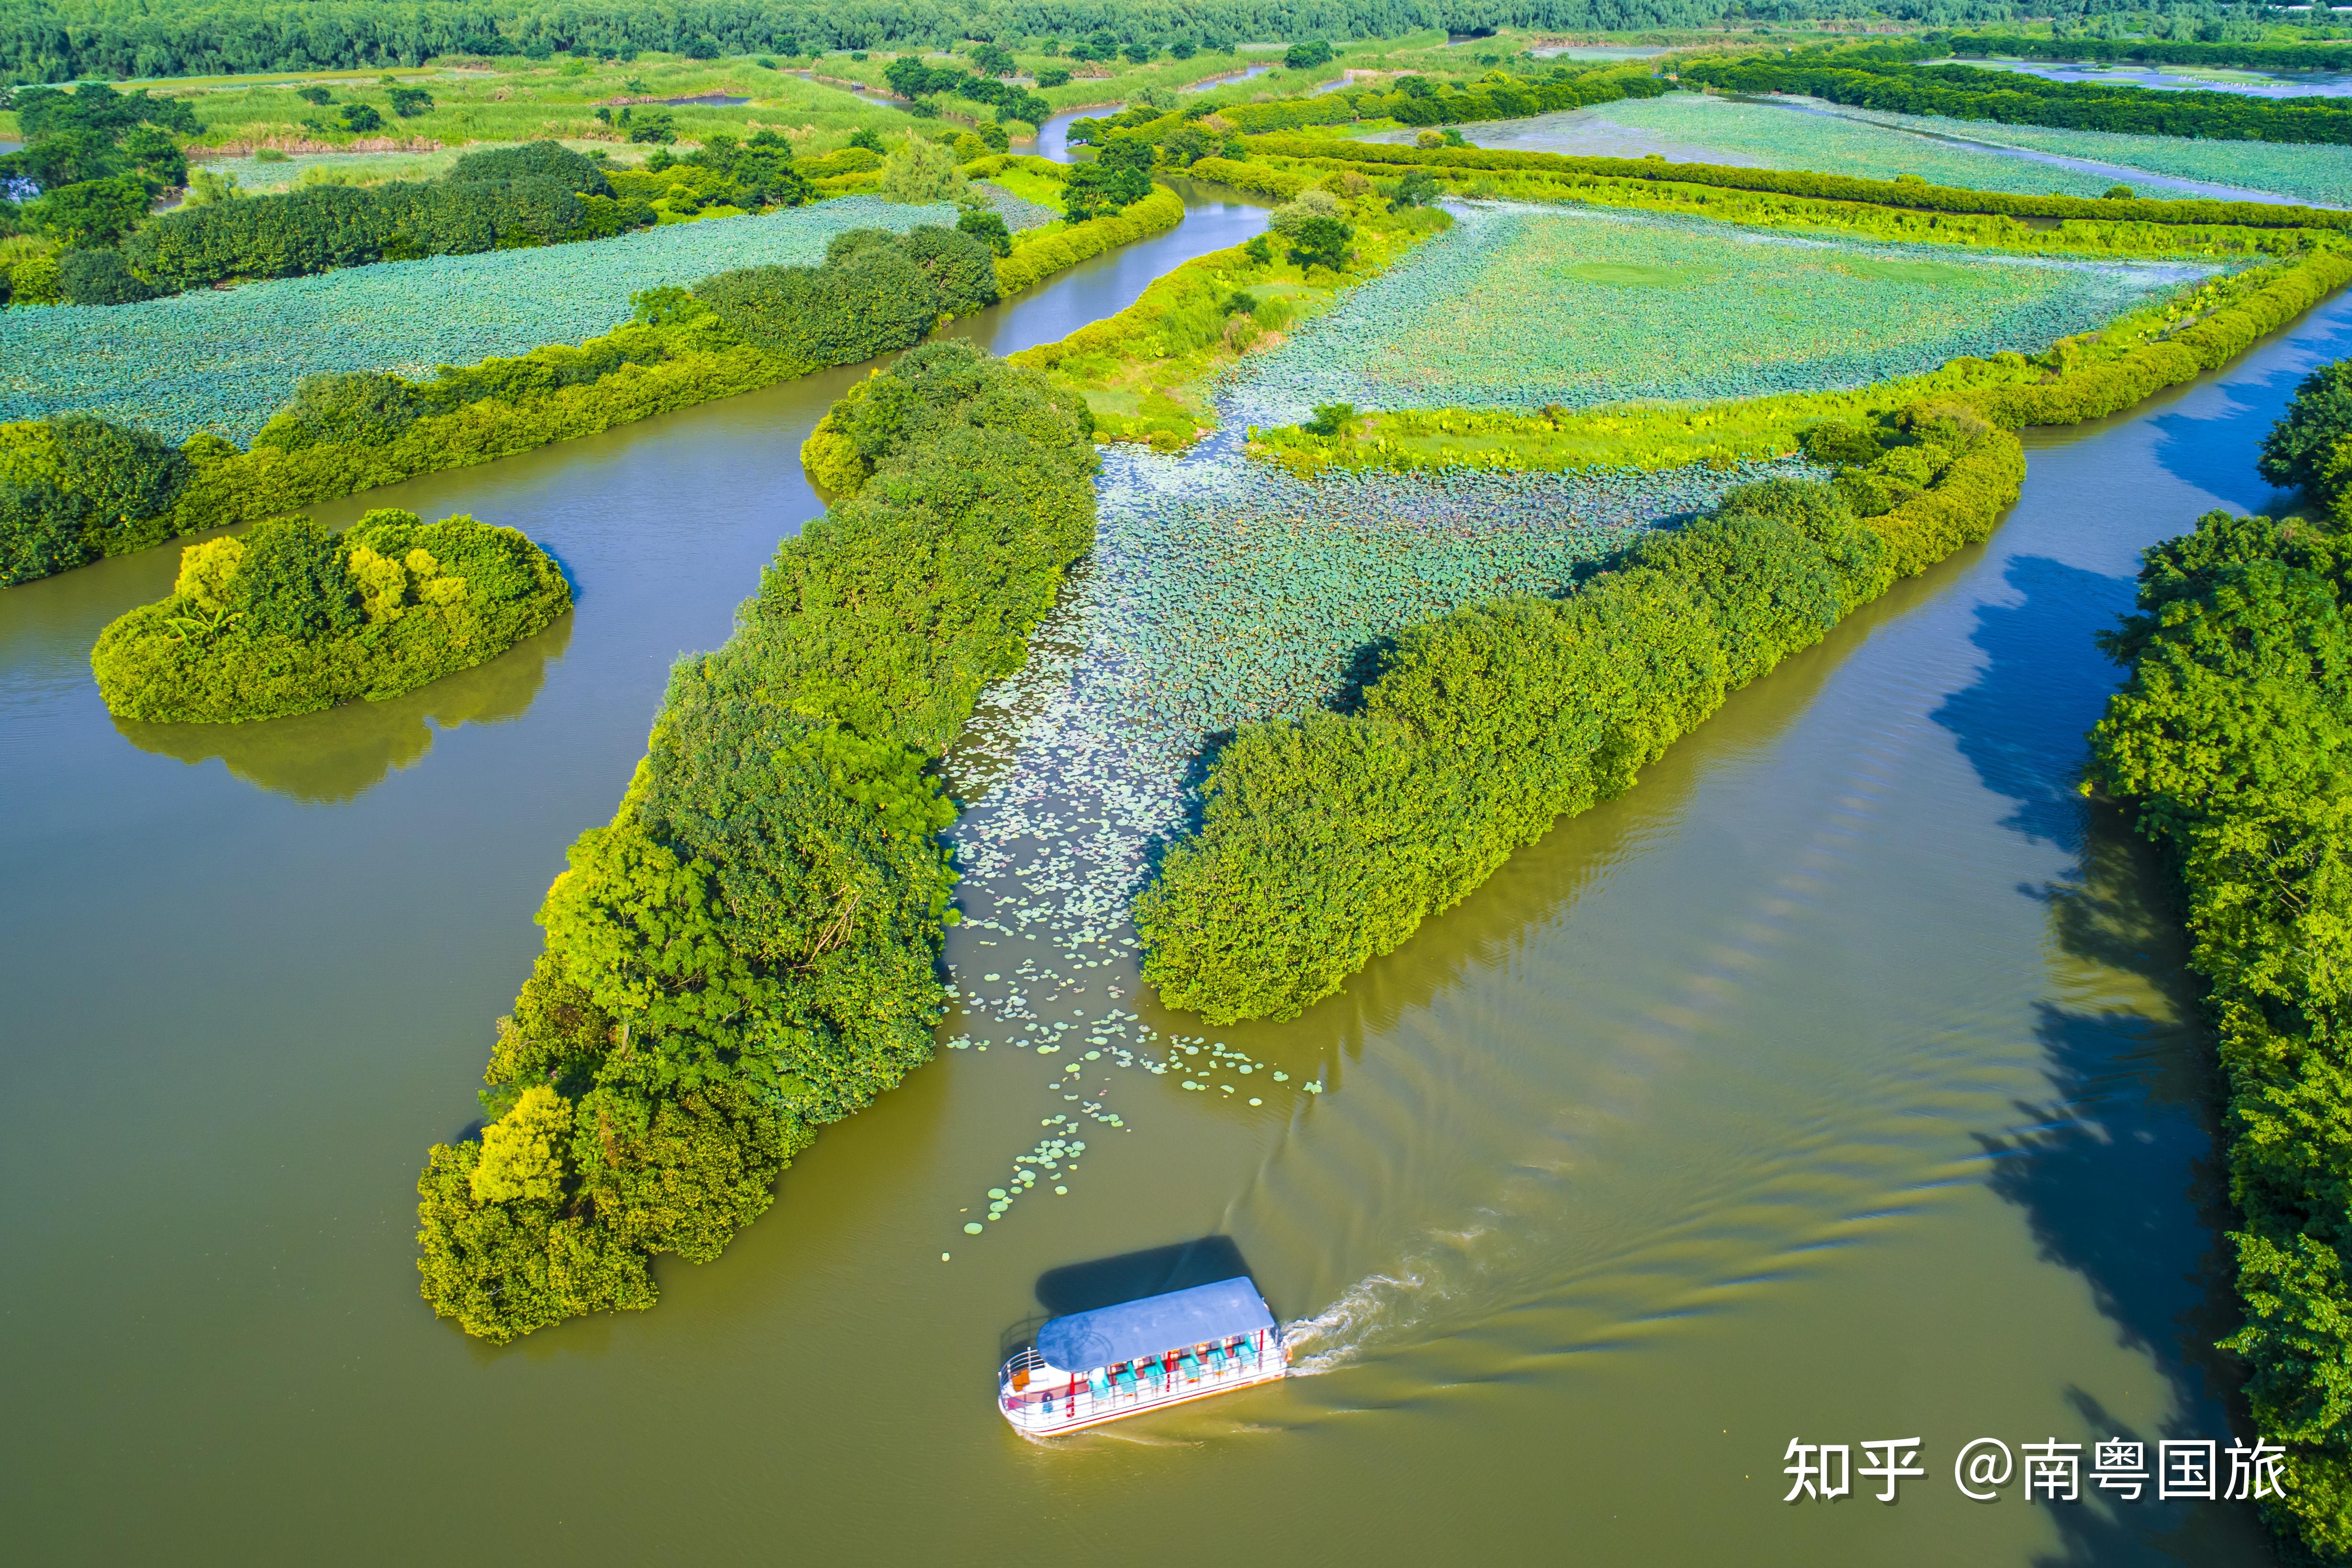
1242	592
1796	134
1218	591
226	360
1018	212
2308	172
1521	308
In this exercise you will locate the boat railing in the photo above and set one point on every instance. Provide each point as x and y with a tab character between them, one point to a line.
1075	1399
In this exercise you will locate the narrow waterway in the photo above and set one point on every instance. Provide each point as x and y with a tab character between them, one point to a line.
1839	1082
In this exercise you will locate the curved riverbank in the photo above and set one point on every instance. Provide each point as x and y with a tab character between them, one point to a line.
1838	1082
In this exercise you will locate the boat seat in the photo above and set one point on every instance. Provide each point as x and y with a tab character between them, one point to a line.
1191	1365
1152	1375
1217	1359
1098	1384
1125	1382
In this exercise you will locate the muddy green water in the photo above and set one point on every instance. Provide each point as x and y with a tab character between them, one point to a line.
1840	1082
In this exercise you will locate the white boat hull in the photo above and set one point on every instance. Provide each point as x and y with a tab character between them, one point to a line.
1046	1412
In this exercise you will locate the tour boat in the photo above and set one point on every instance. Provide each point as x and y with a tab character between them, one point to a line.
1092	1367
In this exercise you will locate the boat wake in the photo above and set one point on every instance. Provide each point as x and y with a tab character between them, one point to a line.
1377	1309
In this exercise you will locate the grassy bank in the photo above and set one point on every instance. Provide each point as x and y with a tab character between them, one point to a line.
2164	345
1150	371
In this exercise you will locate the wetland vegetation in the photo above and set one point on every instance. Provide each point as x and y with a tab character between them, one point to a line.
2226	742
749	950
288	618
1549	458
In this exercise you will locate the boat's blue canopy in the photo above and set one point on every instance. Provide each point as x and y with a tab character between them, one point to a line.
1153	1325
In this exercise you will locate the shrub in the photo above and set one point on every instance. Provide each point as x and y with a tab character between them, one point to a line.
2296	452
656	126
364	407
1419	188
1330	418
35	282
1836	444
534	161
98	278
43	530
749	950
1322	242
920	172
289	618
292	582
78	488
988	227
850	241
92	214
1101	189
961	267
1292	216
1326	842
873	301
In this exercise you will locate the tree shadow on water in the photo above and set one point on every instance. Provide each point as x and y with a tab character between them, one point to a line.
2117	1170
336	756
2022	723
2209	443
2119	1176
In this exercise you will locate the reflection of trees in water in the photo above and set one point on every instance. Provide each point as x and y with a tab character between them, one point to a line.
332	757
2117	1170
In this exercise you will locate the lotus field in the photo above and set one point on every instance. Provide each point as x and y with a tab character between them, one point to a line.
2304	171
1694	128
1982	155
1247	594
227	359
1522	308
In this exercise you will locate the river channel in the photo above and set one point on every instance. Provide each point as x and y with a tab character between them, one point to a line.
1841	1081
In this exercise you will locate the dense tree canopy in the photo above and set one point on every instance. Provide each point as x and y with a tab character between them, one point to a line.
289	618
875	291
2231	738
1327	841
57	40
538	194
1876	80
748	951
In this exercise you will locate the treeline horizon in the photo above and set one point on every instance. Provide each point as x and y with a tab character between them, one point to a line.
64	41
